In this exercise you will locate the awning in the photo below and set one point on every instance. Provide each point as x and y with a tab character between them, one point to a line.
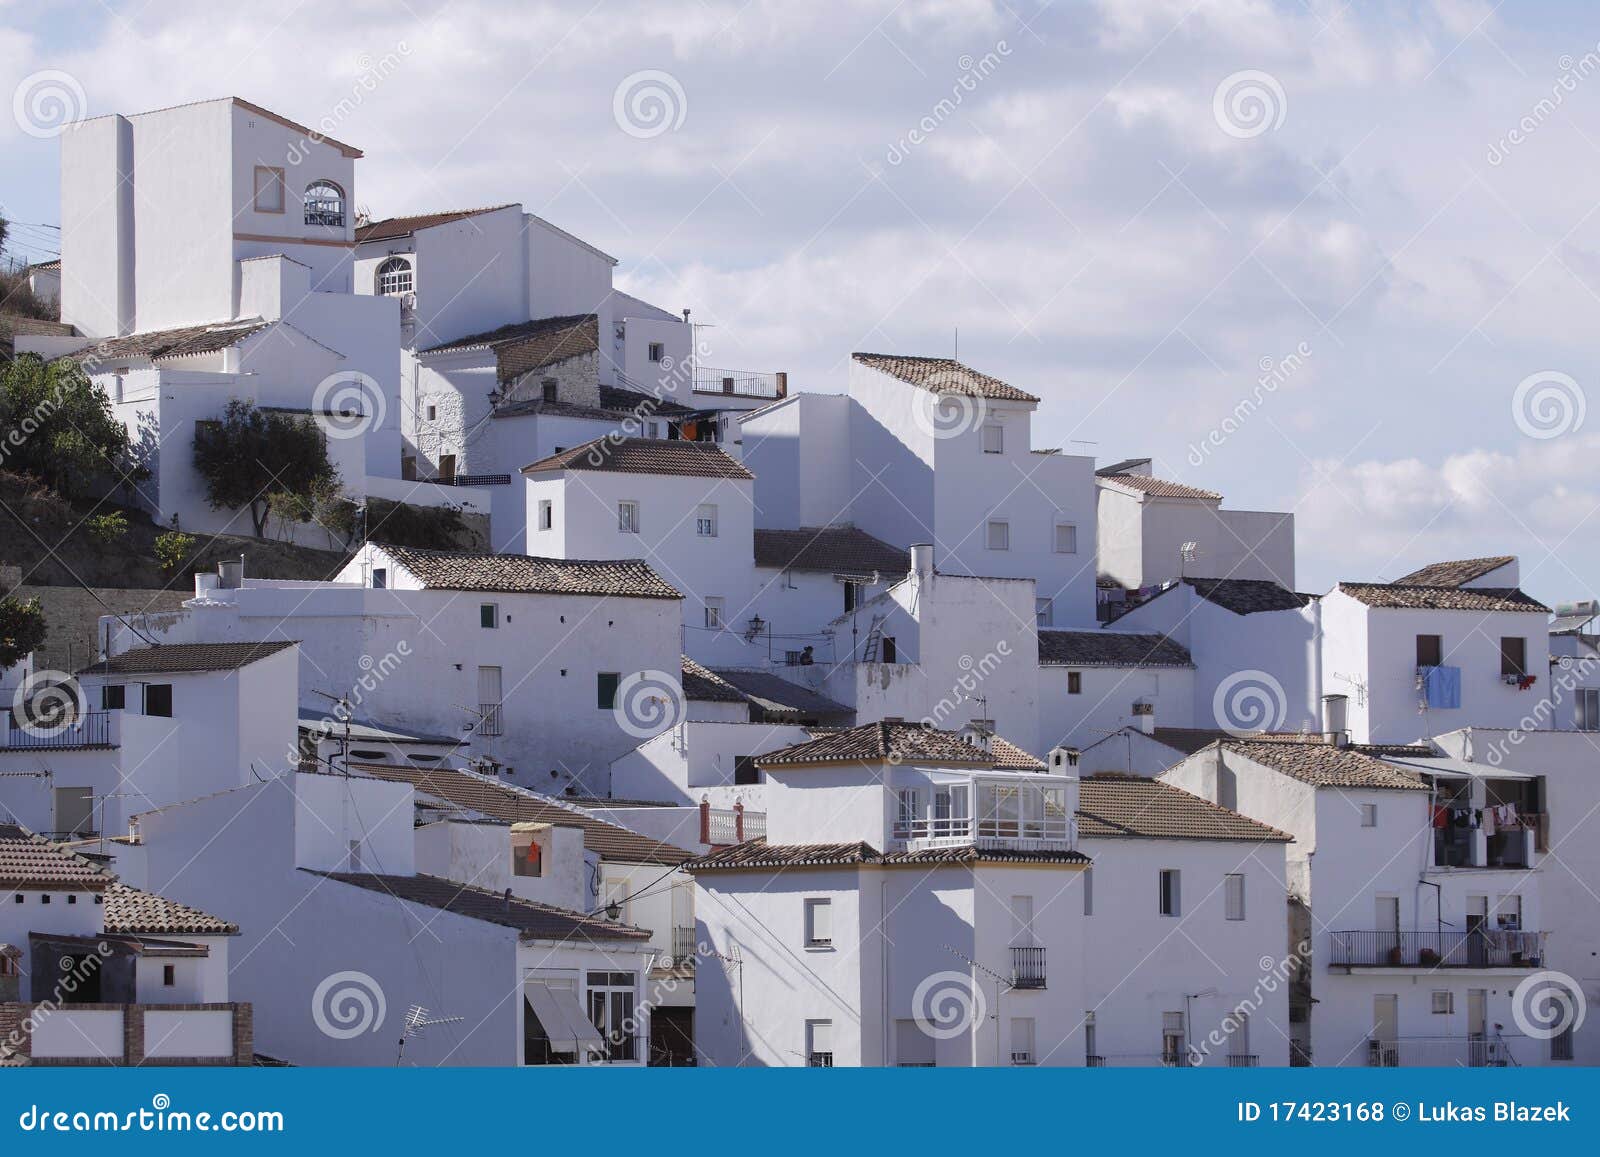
562	1018
1451	768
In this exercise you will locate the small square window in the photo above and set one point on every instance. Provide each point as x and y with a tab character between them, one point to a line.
819	923
1444	1002
606	689
1513	655
71	899
999	534
1430	650
269	190
1369	815
158	700
713	614
994	439
705	521
113	697
547	389
433	413
658	350
380	578
1043	612
44	897
489	616
1171	902
628	517
1066	538
1074	682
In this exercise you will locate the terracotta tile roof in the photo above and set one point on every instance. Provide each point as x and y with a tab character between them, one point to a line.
1454	573
503	801
645	456
878	743
392	227
1248	596
1109	649
1324	765
943	376
534	921
181	658
131	911
758	855
1116	805
53	263
616	404
1411	597
1009	757
702	685
530	345
29	861
463	570
173	343
1158	487
831	549
1191	739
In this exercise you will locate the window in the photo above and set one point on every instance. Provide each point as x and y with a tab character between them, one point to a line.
890	651
526	859
447	468
1022	1040
547	514
1588	709
113	697
713	614
269	190
489	616
819	923
1022	922
705	521
914	1048
158	700
1444	1002
394	277
489	698
819	1044
1087	876
1066	538
1172	1039
994	438
1561	1045
548	388
408	467
380	578
433	413
611	997
324	204
1043	612
908	812
1233	895
1430	650
1090	1057
658	350
1369	815
628	517
745	771
606	689
1074	682
999	534
1513	655
1171	901
169	975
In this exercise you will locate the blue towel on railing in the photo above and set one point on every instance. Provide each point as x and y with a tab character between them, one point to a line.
1442	686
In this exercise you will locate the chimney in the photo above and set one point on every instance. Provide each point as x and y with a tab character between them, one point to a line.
1063	762
922	561
783	384
1335	724
230	575
1144	717
205	583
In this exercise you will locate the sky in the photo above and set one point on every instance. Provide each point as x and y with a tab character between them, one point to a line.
1340	259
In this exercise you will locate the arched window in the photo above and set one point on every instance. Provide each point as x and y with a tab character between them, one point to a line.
324	203
394	277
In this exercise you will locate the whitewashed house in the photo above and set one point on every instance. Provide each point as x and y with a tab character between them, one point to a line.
96	972
1453	645
807	576
1153	530
1094	683
1421	920
144	713
1574	688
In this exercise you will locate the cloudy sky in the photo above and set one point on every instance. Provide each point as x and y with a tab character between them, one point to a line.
1140	210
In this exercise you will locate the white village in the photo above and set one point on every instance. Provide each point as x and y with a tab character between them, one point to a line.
523	688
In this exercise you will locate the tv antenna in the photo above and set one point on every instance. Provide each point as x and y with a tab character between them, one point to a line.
418	1019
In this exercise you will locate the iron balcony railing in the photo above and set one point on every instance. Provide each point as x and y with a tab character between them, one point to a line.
1243	1060
1092	1061
738	383
1027	968
1474	1051
1478	948
684	947
492	723
91	729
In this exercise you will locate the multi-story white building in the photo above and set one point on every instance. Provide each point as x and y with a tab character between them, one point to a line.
1094	683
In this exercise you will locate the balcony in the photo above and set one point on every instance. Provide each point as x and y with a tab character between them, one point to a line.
740	383
1480	948
490	722
1473	1052
91	729
1027	968
685	948
1011	816
725	826
1243	1060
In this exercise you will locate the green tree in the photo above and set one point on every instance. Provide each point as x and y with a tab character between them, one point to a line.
249	455
173	548
107	528
22	630
57	426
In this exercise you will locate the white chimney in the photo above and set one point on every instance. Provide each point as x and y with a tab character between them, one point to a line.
1063	762
1144	717
231	574
1335	721
922	561
205	583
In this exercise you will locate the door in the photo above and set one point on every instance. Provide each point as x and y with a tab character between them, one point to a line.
1477	1026
1388	926
1386	1030
489	699
1477	942
447	468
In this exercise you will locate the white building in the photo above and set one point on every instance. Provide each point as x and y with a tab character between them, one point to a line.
1422	918
1152	530
96	972
807	576
1094	683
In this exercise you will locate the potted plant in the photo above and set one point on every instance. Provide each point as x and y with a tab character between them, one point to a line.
1396	956
1428	957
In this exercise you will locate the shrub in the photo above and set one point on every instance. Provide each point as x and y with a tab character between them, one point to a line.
174	549
107	528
